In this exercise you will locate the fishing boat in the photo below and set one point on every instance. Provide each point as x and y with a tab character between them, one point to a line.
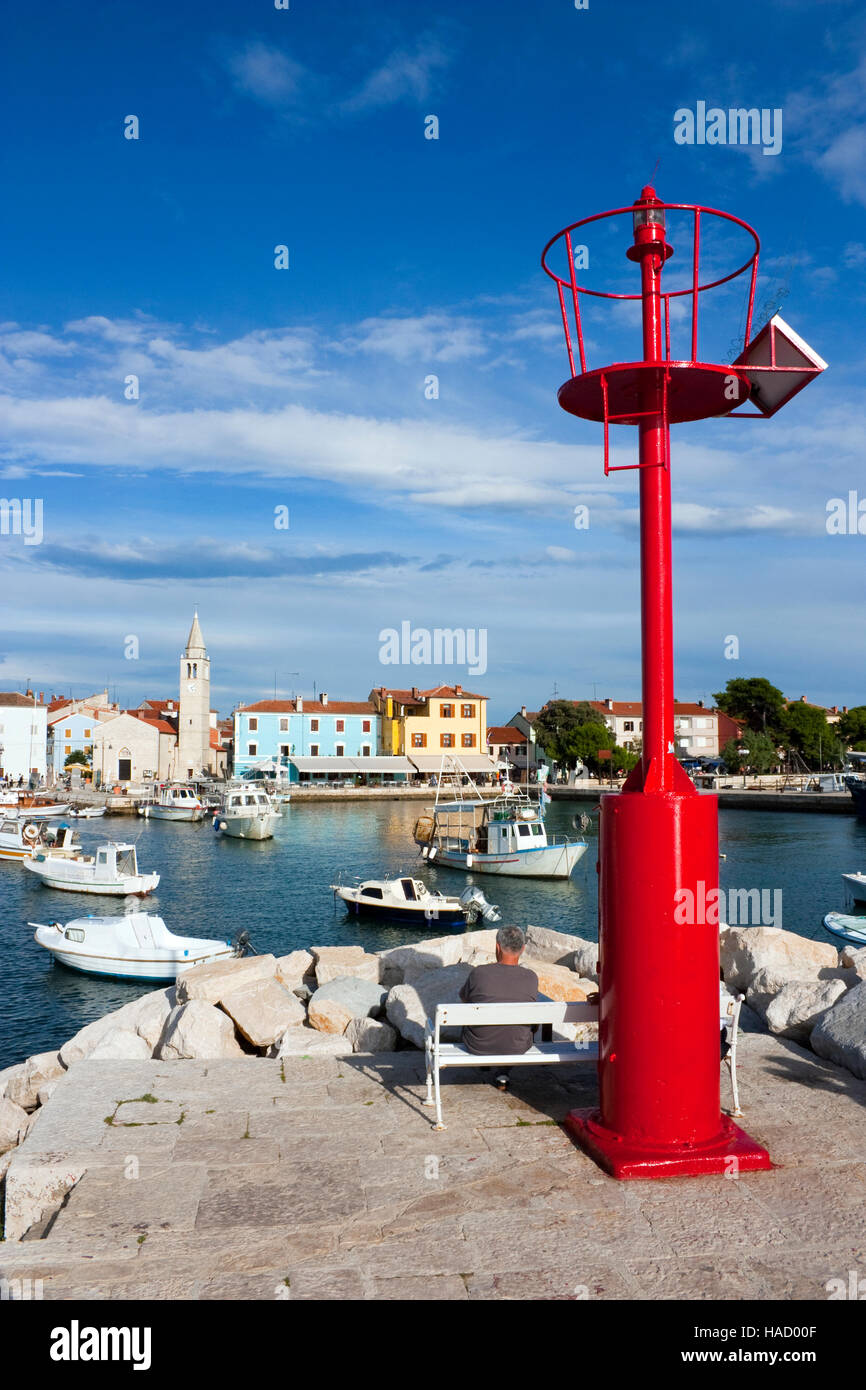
137	946
173	801
19	839
113	870
87	812
855	886
246	813
506	835
26	806
410	900
857	788
846	928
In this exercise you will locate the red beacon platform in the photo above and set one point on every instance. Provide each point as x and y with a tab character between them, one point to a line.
659	1058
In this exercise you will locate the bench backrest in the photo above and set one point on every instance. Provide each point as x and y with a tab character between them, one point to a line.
479	1014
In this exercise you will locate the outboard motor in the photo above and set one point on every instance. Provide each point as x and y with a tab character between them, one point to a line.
478	906
242	944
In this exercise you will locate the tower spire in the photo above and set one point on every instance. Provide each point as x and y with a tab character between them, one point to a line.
195	642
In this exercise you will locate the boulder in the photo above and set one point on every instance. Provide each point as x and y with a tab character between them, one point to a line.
10	1076
798	1006
146	1016
263	1009
840	1033
335	1004
767	983
409	1005
746	950
306	1042
209	982
120	1045
46	1091
435	954
338	962
292	968
37	1070
558	948
371	1035
198	1030
854	957
558	982
13	1124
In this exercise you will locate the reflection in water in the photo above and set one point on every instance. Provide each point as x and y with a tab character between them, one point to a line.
277	890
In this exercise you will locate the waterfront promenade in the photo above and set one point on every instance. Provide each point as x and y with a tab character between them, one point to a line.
321	1178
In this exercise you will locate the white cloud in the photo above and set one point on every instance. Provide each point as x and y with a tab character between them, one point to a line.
267	74
430	337
405	74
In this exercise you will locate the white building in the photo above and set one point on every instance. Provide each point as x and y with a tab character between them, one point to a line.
696	728
23	736
132	747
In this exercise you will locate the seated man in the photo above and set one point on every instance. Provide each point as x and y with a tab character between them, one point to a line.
506	982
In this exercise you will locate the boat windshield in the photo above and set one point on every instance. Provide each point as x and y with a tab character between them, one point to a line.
408	889
126	861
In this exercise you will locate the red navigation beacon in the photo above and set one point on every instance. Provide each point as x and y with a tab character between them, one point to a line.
660	1110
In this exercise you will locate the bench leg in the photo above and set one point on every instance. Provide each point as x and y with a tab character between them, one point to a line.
438	1124
731	1060
428	1058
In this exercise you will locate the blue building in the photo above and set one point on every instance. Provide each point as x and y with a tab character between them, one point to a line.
311	739
70	733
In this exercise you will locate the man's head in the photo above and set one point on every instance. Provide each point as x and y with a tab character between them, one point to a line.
510	942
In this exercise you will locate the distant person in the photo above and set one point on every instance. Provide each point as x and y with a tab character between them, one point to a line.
506	982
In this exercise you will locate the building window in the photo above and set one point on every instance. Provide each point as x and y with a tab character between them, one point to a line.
419	740
341	726
284	750
446	740
314	750
365	750
468	740
447	711
254	726
87	733
284	726
628	726
468	711
67	733
68	748
365	727
341	750
252	749
314	726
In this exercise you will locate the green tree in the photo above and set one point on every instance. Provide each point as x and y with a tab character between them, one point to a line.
77	756
755	700
852	726
560	731
805	728
760	755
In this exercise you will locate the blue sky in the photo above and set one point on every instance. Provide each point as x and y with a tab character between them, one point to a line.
304	387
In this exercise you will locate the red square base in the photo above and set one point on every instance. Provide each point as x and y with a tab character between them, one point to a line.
734	1152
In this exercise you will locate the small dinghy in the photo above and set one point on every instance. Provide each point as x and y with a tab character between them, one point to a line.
410	900
113	870
87	812
845	928
137	946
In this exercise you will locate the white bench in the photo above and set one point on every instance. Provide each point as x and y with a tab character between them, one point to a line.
440	1055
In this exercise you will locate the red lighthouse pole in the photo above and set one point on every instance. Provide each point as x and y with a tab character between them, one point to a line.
659	1054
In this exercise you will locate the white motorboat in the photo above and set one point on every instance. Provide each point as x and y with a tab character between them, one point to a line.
846	928
137	946
173	801
246	813
27	806
87	812
855	886
20	839
506	835
113	870
410	900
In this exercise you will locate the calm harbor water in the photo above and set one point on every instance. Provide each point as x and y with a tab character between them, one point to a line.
278	890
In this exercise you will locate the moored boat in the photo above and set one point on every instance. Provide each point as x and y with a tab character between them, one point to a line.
857	788
112	870
173	801
28	806
246	813
136	946
410	900
855	886
87	812
846	928
20	839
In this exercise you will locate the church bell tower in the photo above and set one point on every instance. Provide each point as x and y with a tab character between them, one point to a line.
194	753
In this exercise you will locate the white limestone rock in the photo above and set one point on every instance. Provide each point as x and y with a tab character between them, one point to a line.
746	950
422	956
409	1005
47	1091
13	1124
121	1045
559	948
210	982
262	1010
306	1042
22	1086
840	1033
292	968
146	1016
335	1004
798	1006
371	1035
854	957
341	962
198	1030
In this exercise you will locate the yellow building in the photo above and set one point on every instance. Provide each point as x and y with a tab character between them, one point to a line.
428	723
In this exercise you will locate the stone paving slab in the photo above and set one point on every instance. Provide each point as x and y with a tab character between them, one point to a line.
322	1178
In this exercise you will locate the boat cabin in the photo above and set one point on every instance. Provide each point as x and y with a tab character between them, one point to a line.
236	801
504	827
119	861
